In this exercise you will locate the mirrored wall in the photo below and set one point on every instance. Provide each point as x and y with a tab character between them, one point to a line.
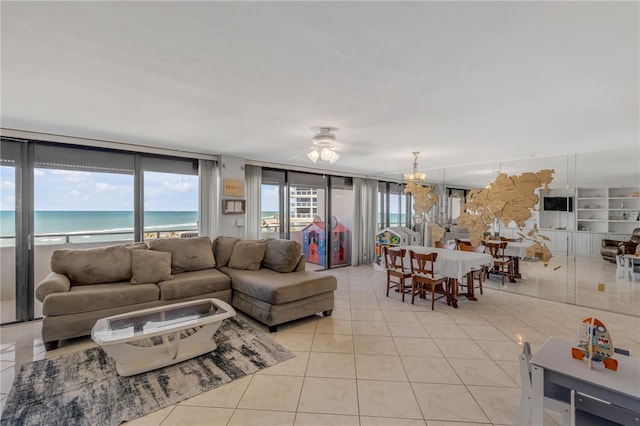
590	211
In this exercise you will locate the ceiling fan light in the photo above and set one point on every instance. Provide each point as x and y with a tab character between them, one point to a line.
334	157
313	155
325	154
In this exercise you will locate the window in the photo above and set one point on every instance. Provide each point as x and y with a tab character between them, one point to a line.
170	204
82	195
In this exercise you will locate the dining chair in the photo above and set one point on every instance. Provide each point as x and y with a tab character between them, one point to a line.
511	240
478	271
424	279
500	261
397	274
526	396
446	246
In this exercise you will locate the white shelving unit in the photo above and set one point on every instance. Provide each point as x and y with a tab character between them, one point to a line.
591	210
608	210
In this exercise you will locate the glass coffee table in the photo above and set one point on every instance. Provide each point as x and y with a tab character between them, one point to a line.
147	339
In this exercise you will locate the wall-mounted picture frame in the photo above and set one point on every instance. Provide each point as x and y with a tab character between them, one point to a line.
233	206
233	187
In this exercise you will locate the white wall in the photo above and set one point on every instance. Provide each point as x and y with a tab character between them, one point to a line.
231	168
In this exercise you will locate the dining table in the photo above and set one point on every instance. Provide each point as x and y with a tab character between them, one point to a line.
516	251
455	264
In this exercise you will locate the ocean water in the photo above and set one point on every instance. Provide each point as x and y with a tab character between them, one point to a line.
78	222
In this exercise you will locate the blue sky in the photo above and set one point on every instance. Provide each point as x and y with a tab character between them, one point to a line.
79	191
270	197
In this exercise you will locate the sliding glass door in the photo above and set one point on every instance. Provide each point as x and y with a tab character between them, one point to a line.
342	221
314	210
308	216
9	159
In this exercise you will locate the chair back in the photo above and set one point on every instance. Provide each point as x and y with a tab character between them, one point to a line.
526	389
447	246
468	247
394	259
422	263
496	249
511	240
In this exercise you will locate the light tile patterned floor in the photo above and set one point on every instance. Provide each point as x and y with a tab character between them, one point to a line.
376	361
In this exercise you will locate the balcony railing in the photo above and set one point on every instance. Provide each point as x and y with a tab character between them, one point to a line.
96	236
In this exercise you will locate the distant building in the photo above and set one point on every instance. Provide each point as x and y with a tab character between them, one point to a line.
303	206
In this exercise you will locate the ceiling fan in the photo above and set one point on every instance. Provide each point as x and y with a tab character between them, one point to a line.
324	145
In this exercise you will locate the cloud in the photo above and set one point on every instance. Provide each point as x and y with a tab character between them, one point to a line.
78	195
73	176
106	187
149	204
180	186
7	184
39	172
9	203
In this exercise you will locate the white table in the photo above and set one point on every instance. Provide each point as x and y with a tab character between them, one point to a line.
553	365
127	337
454	264
517	250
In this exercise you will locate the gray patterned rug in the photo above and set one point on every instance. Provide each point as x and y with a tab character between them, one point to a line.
83	388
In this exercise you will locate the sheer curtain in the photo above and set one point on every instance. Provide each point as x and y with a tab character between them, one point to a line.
207	204
253	184
366	196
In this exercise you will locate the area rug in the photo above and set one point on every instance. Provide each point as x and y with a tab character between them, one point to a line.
84	388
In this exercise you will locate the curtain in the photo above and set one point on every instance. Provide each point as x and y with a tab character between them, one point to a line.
366	196
253	183
207	201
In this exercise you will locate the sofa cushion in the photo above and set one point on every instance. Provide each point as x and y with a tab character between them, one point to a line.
222	248
194	283
247	254
95	265
150	266
187	254
277	288
282	255
96	297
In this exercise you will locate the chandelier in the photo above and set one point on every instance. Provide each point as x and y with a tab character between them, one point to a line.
415	176
324	145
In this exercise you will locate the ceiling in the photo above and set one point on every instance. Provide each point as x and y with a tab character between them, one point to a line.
473	84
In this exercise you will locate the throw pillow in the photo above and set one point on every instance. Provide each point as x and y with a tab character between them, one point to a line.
96	265
247	254
222	249
187	254
282	255
150	266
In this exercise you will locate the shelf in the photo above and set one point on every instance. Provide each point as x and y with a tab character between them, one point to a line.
611	210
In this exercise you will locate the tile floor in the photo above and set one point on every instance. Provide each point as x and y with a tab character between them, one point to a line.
375	361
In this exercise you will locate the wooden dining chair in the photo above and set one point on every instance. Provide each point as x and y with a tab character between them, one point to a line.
446	246
502	264
511	240
397	274
424	279
476	271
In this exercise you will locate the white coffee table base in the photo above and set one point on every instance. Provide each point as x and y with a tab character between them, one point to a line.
132	359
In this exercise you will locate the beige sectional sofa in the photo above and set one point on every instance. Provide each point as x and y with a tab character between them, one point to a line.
267	278
273	287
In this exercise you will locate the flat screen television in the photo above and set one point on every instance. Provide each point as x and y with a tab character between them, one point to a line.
561	204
